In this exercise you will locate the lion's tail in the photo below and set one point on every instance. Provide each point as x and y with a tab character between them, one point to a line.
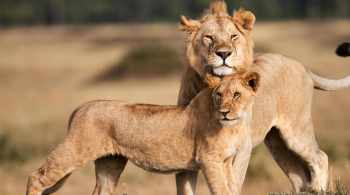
324	84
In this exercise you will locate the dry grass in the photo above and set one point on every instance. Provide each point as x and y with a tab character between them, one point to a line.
336	187
45	74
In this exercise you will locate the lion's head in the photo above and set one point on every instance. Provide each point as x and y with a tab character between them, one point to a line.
219	40
233	95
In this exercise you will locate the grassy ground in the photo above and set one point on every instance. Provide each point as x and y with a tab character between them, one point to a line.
45	72
336	187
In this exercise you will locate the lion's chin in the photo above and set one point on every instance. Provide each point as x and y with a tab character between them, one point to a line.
223	70
226	122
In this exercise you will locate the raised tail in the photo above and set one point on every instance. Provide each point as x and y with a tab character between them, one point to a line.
324	84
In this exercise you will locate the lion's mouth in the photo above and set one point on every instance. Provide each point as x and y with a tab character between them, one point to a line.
228	122
228	119
225	65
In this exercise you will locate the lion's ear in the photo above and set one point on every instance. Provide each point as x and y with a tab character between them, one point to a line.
252	80
244	18
188	25
212	81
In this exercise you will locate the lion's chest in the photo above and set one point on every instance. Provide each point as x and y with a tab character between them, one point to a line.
226	143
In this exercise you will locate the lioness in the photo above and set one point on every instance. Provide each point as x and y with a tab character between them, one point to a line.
282	108
207	134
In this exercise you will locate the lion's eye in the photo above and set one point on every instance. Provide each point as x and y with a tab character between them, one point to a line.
236	94
219	95
209	37
233	37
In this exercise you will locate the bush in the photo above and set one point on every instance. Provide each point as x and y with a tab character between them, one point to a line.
145	61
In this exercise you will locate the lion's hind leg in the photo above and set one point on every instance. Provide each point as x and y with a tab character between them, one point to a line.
108	170
50	176
57	185
301	140
186	182
71	154
295	169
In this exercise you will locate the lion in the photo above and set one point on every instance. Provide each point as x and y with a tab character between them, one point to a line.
207	134
282	109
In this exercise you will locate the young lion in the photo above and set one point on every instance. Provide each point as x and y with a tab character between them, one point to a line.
207	134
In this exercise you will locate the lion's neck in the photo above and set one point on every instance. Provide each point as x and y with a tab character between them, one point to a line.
202	105
191	85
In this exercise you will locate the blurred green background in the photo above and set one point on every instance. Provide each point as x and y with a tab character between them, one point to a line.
29	12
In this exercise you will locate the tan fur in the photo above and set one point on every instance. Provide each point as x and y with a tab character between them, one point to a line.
282	108
207	134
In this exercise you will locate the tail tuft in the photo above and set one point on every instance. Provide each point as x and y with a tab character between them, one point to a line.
343	50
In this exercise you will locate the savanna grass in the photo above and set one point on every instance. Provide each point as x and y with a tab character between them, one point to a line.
336	187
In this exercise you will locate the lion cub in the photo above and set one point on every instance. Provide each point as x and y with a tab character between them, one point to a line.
207	134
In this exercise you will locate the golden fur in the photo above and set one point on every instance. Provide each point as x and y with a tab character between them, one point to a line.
207	134
208	37
282	108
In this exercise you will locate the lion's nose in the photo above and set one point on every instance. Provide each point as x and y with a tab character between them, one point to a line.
224	112
223	54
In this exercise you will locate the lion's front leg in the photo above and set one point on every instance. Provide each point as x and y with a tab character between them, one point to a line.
215	176
240	163
231	177
186	181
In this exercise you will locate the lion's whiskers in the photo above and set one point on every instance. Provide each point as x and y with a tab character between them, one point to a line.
215	115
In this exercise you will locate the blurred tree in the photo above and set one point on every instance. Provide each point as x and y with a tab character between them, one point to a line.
342	8
1	7
269	9
313	9
31	12
56	12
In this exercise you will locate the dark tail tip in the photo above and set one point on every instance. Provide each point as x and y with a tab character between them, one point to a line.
343	50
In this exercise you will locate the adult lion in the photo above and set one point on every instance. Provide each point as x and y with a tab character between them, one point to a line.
282	108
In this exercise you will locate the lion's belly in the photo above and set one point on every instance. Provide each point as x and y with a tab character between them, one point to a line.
161	153
158	164
267	98
263	117
283	97
157	142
